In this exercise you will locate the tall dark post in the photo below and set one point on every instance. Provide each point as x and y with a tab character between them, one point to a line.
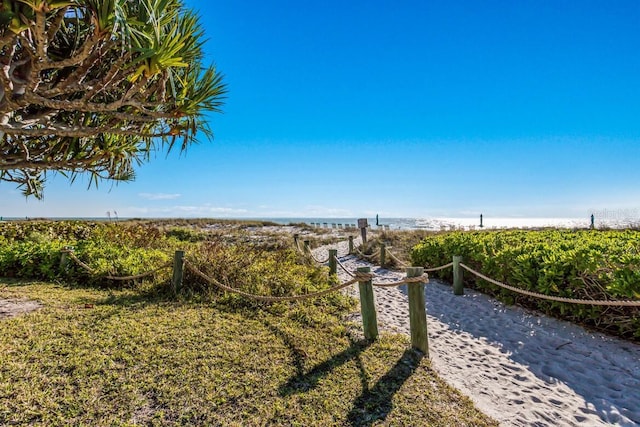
593	225
377	222
481	221
362	225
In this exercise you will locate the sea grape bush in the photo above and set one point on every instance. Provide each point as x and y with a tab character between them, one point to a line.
585	264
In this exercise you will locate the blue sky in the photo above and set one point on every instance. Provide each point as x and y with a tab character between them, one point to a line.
412	108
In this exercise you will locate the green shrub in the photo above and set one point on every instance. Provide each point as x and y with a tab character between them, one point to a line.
270	267
186	234
583	264
39	260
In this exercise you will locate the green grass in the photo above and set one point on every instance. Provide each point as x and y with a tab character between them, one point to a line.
98	357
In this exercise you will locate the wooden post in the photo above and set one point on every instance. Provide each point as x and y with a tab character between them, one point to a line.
178	267
333	264
368	307
418	312
64	259
350	245
383	254
307	247
362	224
458	288
295	241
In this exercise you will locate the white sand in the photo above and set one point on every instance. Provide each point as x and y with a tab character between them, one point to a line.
14	307
522	368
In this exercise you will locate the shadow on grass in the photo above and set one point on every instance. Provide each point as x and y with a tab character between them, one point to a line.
374	404
306	381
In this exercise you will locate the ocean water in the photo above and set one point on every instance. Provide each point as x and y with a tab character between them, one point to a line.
437	224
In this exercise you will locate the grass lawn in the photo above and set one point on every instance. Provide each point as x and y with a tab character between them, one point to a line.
97	357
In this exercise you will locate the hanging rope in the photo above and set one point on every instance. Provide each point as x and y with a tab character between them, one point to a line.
550	297
92	271
317	260
442	267
358	277
344	268
396	259
367	256
407	280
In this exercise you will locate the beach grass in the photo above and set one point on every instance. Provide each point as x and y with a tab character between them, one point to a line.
120	357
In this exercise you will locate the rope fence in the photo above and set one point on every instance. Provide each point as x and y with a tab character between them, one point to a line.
363	277
357	278
415	276
307	250
457	265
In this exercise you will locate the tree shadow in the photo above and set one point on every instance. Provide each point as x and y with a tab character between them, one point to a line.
375	404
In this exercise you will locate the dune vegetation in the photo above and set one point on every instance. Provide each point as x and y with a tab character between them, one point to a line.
107	352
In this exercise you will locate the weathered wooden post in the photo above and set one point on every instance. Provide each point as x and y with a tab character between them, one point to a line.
350	245
178	269
383	254
458	288
333	264
481	221
418	312
307	247
362	225
368	307
295	241
64	258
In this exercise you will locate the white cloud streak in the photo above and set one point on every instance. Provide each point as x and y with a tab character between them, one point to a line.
159	196
185	210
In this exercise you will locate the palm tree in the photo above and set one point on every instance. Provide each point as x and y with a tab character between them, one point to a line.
96	86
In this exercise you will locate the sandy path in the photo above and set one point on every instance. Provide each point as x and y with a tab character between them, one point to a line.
14	307
521	368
